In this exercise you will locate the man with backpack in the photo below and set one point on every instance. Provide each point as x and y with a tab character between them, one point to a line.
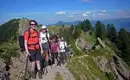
33	49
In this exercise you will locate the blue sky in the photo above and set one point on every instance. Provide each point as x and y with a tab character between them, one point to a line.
52	11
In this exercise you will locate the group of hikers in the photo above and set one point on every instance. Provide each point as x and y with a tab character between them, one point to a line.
40	47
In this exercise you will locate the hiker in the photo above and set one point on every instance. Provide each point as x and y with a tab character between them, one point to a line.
62	50
32	48
54	49
67	52
44	40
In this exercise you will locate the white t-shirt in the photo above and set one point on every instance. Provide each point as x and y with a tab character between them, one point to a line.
43	37
62	45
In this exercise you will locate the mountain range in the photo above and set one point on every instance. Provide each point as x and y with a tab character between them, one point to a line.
119	23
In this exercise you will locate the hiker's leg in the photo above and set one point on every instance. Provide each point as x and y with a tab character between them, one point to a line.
33	60
33	64
53	58
65	56
38	59
56	56
61	57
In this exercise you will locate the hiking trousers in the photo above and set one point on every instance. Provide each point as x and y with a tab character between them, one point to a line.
54	57
62	57
66	54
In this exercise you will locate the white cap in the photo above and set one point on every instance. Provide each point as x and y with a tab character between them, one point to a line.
43	27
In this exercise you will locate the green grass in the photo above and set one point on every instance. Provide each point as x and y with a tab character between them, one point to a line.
58	76
85	69
89	39
73	46
8	50
103	51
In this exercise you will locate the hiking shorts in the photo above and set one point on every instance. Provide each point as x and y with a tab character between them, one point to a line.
35	55
45	46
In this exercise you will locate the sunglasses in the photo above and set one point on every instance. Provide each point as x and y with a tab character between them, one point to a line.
32	24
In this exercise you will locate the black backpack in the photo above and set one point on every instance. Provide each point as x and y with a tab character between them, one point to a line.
21	40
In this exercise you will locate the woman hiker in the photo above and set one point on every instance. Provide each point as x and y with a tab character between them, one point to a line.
33	49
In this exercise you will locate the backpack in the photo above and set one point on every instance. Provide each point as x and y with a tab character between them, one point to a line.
21	40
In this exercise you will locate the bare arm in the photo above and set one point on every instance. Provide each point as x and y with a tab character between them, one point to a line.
26	47
40	44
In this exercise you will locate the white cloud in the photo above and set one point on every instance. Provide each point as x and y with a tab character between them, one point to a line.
84	15
75	13
88	12
104	11
60	13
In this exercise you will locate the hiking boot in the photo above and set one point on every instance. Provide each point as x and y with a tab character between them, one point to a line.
33	75
40	74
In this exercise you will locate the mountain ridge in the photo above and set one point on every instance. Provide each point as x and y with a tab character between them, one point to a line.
119	23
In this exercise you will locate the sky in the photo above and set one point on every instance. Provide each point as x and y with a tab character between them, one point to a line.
52	11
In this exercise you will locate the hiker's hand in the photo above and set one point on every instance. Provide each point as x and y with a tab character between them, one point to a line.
27	54
41	51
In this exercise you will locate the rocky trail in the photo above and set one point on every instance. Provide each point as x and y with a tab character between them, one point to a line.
65	73
18	70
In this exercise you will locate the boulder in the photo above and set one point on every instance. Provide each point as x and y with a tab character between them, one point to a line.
101	62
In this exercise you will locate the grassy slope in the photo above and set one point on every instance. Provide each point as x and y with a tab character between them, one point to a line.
89	39
85	68
9	33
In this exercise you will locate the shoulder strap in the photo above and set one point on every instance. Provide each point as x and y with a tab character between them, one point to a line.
29	33
47	36
64	43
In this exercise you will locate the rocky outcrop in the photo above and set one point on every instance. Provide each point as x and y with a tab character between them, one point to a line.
83	45
101	42
114	66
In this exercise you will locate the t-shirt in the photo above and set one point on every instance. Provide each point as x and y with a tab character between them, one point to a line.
32	39
43	37
54	47
62	46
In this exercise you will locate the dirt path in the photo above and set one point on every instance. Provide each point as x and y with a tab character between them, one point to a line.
76	43
65	73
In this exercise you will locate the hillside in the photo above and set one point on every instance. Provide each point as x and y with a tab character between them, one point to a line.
99	63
